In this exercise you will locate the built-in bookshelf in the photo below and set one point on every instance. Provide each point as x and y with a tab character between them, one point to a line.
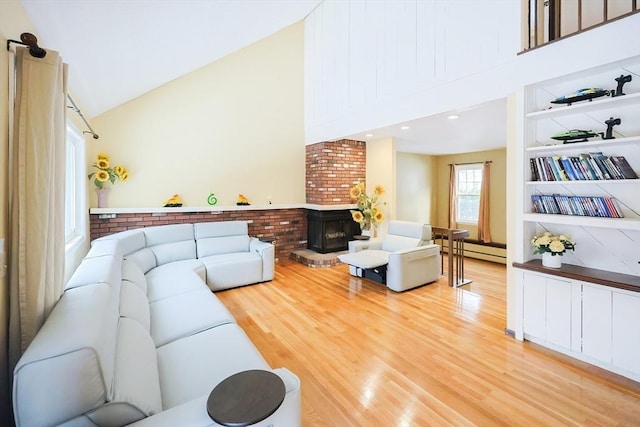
589	190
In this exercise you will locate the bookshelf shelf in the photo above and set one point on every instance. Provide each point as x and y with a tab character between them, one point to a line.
585	221
582	146
583	107
587	181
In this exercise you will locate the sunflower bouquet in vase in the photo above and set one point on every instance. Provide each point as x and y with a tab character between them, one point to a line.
105	174
368	215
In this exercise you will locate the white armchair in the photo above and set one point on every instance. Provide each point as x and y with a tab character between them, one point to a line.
404	259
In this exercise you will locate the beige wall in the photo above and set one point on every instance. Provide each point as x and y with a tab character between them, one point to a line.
381	169
415	189
233	126
498	191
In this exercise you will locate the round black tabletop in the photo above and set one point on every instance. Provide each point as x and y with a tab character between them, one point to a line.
246	398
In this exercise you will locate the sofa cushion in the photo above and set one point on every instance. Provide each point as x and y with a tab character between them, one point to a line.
194	265
135	305
68	369
145	258
131	272
176	251
186	314
105	247
104	269
172	283
172	233
214	238
191	367
130	240
230	270
394	243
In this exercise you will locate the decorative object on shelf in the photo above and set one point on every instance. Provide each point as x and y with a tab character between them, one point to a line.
551	247
551	261
575	135
580	95
103	196
212	199
621	81
105	173
610	124
173	202
369	215
242	201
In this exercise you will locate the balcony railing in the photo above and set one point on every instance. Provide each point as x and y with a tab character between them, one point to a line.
549	20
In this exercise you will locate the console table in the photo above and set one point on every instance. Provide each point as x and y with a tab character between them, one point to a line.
455	244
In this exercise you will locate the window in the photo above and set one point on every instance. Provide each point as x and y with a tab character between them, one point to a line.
468	182
75	199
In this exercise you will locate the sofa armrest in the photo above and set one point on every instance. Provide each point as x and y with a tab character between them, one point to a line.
194	413
361	245
267	253
413	267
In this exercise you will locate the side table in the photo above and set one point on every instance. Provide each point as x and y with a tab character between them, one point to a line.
246	398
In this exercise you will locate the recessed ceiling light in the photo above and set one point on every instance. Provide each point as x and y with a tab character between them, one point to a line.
369	135
453	117
404	127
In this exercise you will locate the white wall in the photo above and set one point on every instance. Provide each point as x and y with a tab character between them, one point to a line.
371	63
233	126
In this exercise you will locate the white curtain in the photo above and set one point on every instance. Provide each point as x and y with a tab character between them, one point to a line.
36	195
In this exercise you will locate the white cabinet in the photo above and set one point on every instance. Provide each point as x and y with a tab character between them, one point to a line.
625	343
548	309
596	322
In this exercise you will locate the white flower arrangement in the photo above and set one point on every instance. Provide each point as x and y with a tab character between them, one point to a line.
556	245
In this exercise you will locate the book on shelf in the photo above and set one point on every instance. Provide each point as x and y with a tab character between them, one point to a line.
585	167
557	204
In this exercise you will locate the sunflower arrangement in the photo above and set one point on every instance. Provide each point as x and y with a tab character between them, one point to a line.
369	212
105	173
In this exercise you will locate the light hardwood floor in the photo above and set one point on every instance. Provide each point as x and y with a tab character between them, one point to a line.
435	355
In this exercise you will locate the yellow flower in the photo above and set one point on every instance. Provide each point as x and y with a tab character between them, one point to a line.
102	176
103	156
120	170
102	164
378	190
378	217
355	192
124	177
542	240
357	216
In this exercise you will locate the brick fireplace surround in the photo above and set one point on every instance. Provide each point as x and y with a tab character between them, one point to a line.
332	168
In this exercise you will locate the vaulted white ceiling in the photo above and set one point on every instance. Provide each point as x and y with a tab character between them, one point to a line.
121	49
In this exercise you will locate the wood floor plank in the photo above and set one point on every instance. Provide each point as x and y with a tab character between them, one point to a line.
435	355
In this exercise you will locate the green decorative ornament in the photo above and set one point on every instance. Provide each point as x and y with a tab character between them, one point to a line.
212	199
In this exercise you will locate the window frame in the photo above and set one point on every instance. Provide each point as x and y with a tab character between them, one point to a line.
466	167
74	180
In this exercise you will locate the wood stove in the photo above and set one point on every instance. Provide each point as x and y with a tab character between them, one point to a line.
330	231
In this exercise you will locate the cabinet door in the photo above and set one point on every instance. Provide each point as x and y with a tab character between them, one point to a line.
626	332
534	300
596	323
558	327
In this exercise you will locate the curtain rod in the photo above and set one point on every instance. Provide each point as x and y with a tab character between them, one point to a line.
29	40
469	163
77	110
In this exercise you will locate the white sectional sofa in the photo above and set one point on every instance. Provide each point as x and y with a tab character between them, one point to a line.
138	336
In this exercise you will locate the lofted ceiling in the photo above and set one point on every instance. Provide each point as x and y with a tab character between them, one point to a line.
121	49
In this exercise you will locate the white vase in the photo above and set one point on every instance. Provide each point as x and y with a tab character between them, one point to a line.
551	261
103	196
